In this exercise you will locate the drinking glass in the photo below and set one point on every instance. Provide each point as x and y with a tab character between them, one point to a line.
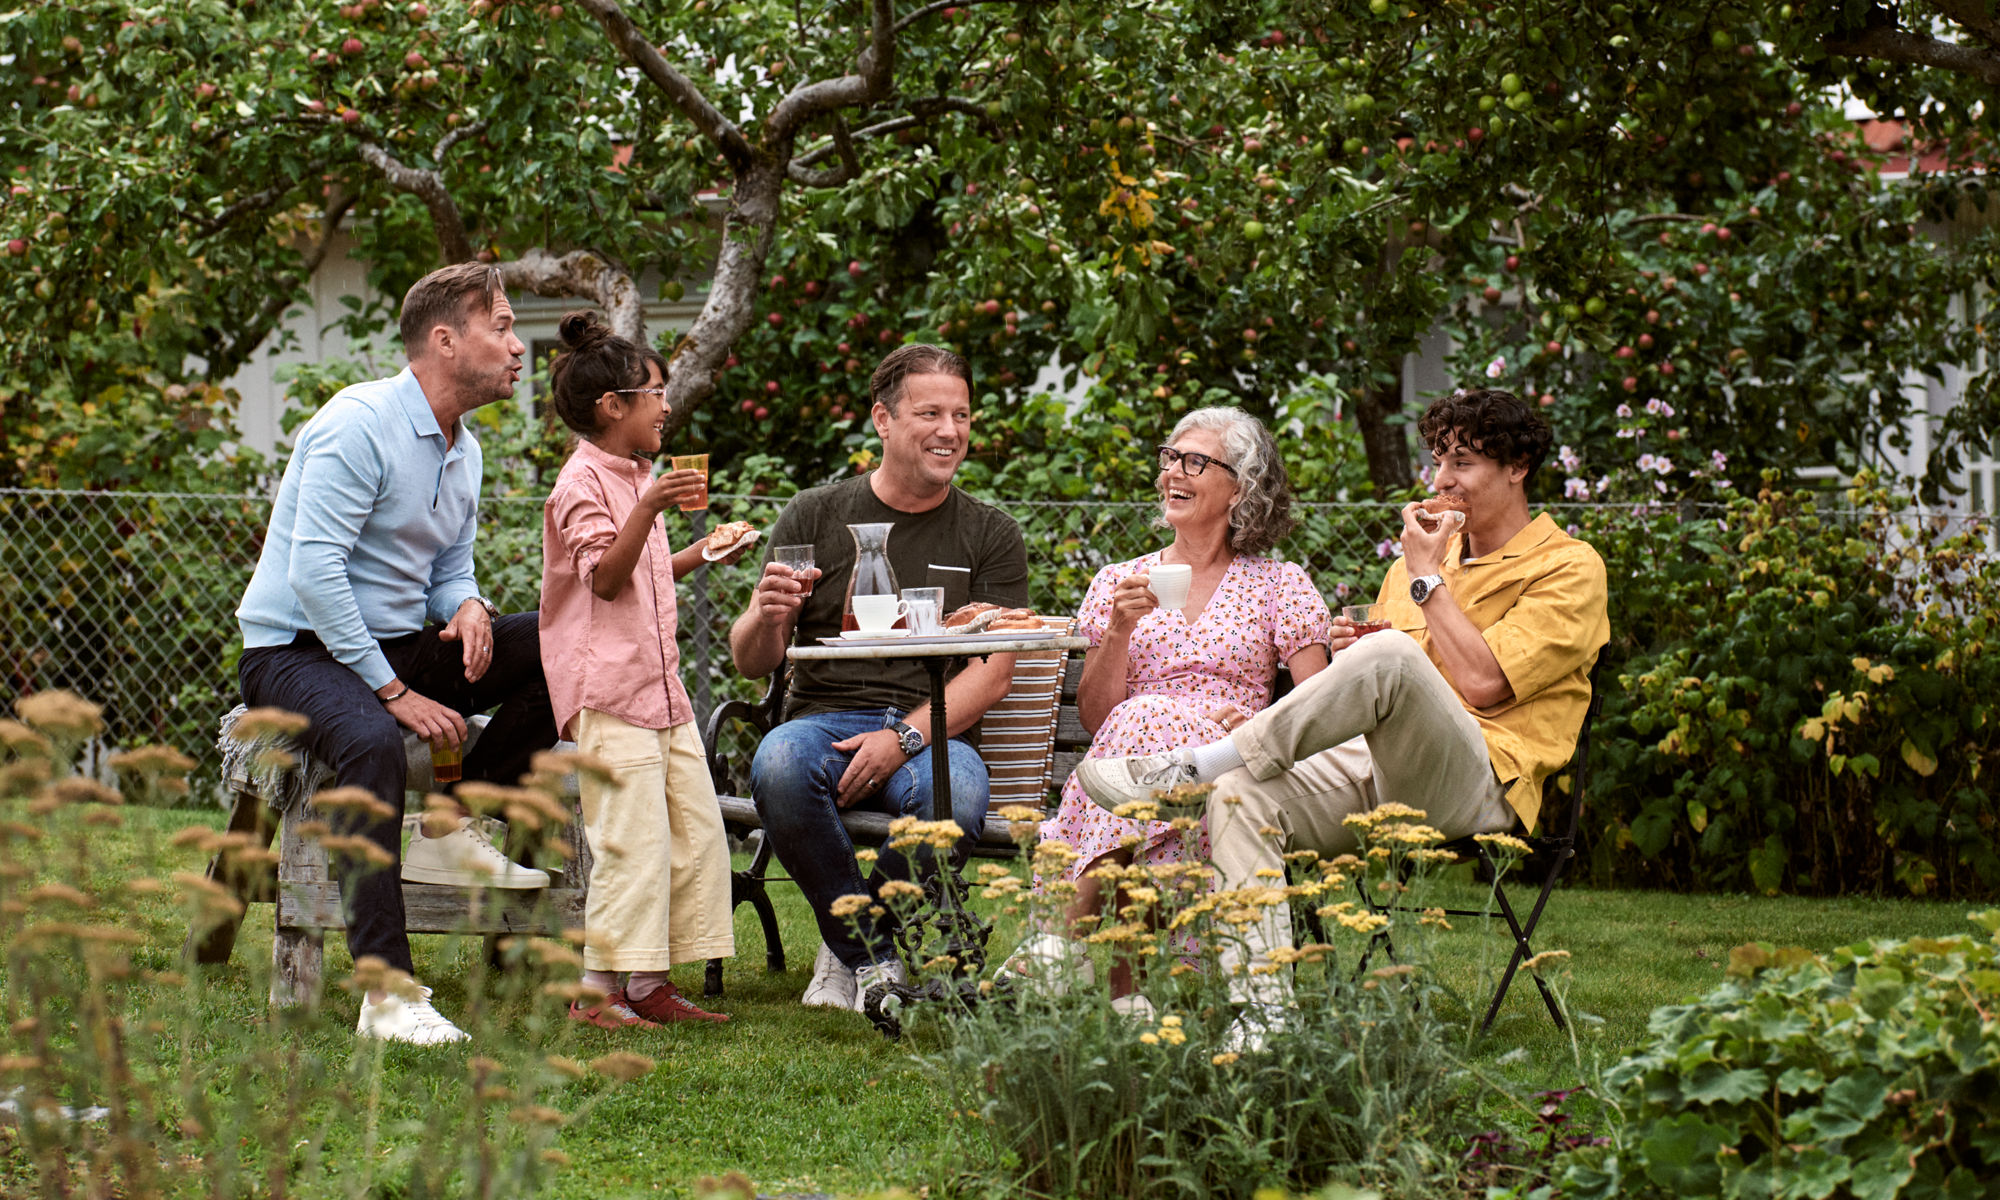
799	561
1366	618
694	462
447	762
925	609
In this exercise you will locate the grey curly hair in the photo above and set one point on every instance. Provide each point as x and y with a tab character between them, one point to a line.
1263	513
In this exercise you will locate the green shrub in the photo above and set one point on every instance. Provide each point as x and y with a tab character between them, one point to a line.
1808	704
1363	1085
1870	1073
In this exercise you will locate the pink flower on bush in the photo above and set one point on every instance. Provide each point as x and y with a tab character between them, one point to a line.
1496	368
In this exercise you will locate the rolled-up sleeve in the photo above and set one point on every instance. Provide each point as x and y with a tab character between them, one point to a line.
339	487
583	526
1555	626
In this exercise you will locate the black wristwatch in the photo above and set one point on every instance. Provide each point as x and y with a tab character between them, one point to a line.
1422	586
908	739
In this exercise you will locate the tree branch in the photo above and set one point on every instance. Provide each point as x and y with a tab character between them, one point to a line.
587	274
877	66
453	137
1896	45
427	186
230	359
920	112
678	88
849	168
1972	14
938	7
259	201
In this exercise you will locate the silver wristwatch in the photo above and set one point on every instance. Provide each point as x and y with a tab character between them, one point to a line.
492	610
908	739
1422	586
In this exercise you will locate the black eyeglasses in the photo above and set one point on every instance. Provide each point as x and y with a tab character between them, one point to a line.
1194	462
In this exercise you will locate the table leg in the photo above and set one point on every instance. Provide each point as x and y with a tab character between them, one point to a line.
959	935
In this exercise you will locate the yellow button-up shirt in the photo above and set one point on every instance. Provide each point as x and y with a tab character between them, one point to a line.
1539	601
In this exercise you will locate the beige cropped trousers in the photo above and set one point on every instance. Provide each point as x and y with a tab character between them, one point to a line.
659	879
1378	725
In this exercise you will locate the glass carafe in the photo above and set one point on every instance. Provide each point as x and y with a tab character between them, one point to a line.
872	575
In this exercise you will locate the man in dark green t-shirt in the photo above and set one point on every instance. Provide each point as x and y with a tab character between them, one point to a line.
857	733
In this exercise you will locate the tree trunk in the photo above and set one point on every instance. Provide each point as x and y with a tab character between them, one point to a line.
1390	466
747	234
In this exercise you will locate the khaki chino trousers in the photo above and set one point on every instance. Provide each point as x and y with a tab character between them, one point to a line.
1379	725
659	880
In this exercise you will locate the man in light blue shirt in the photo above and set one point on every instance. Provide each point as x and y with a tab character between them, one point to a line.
364	614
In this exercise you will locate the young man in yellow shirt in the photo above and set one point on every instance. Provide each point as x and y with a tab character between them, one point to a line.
1463	709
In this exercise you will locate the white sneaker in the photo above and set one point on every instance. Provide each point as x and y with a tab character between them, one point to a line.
464	858
832	984
1050	964
1252	1028
1134	1007
412	1021
875	976
1116	782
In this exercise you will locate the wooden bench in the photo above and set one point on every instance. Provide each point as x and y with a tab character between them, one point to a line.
307	896
1017	738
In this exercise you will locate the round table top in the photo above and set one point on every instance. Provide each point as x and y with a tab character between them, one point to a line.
961	647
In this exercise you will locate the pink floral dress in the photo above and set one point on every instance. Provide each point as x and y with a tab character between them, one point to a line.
1263	612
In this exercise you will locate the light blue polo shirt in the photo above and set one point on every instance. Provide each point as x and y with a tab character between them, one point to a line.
371	533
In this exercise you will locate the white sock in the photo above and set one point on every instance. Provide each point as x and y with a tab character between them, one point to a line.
644	983
1212	760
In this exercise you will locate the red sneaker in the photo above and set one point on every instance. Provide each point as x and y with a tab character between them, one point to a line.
665	1004
612	1012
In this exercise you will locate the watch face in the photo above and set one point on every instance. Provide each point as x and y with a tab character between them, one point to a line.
1419	591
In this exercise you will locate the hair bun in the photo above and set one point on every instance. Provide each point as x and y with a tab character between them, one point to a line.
583	330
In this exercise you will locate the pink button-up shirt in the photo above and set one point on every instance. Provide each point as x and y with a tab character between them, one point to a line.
617	656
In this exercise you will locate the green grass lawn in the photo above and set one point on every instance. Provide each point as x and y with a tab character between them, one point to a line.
810	1100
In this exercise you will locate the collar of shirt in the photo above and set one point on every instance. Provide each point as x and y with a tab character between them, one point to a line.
599	459
1531	535
423	420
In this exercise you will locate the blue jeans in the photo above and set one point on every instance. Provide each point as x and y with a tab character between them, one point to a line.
794	779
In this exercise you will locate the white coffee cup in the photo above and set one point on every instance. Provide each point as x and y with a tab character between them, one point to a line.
1169	583
875	614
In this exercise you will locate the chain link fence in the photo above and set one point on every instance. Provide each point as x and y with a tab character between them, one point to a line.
129	598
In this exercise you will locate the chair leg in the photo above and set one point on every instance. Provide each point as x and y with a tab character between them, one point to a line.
747	887
711	978
298	958
1523	950
215	943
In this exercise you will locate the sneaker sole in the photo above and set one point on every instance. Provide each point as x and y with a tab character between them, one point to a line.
444	877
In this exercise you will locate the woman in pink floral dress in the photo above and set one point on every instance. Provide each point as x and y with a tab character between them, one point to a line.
1157	678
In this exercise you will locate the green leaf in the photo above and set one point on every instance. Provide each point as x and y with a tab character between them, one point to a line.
1681	1154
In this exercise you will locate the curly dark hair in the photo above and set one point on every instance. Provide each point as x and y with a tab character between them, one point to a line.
1492	421
594	361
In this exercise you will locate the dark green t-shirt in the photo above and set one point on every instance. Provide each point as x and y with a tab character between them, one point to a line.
960	533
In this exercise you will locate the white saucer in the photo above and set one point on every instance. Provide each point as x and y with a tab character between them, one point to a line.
856	635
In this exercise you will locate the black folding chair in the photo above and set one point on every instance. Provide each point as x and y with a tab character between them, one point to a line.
1550	852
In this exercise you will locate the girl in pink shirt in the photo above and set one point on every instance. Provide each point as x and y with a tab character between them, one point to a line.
660	878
